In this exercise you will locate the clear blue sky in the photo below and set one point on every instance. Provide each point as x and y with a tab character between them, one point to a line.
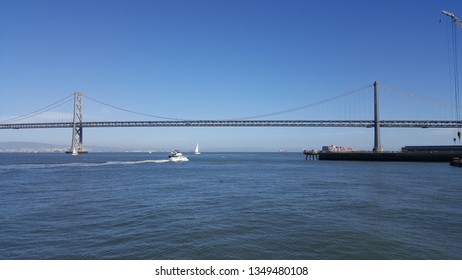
210	59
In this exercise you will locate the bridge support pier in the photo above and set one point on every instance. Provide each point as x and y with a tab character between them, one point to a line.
77	129
377	143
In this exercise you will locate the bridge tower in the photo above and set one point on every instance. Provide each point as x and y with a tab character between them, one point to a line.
77	129
377	143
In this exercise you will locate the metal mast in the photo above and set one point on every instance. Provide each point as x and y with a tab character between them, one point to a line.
457	22
77	129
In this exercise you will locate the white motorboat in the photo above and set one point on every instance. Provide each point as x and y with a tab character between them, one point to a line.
177	156
196	151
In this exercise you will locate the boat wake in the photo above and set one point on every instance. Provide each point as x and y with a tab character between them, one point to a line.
78	164
136	162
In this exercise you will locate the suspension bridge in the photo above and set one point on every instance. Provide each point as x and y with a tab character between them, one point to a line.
78	124
372	120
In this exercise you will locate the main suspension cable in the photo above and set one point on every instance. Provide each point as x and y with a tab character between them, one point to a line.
130	111
305	106
41	110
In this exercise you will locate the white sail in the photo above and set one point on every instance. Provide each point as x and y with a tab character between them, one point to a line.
196	151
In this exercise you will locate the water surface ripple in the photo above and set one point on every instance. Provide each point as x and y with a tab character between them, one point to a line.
226	206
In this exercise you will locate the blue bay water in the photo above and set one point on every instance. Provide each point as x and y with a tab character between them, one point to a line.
226	206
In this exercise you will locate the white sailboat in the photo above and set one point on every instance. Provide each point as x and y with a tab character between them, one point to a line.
196	151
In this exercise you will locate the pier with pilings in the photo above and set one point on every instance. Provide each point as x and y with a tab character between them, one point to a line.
311	155
435	155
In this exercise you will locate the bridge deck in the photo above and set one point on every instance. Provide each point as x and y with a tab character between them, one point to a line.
244	123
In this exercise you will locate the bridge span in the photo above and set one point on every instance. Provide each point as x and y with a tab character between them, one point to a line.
78	124
245	123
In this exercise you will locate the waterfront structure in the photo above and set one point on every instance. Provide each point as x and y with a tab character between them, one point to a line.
433	149
407	153
384	156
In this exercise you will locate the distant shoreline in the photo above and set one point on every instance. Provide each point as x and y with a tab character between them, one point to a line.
63	151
